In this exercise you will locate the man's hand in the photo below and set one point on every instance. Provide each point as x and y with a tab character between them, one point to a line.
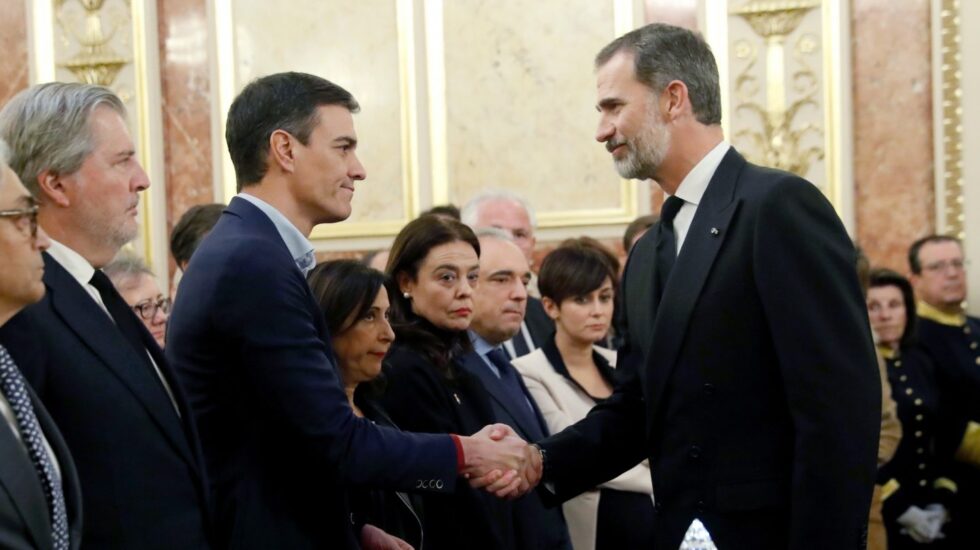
495	460
373	538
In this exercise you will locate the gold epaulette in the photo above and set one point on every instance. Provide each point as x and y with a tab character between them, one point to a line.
969	450
888	489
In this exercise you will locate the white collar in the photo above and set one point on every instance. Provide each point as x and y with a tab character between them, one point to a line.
73	262
695	183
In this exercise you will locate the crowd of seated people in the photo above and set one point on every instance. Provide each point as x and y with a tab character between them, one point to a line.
376	404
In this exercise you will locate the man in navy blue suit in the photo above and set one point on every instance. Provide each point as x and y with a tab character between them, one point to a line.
252	349
499	303
94	365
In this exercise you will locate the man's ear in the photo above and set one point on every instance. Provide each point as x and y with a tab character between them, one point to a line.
550	307
53	188
281	150
675	100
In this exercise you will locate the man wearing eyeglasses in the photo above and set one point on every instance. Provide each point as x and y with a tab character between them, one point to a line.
938	275
40	502
95	367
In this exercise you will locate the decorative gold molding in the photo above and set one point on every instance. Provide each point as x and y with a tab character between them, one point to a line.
95	62
778	143
952	114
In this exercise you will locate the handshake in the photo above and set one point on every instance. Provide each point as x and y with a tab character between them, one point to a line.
497	460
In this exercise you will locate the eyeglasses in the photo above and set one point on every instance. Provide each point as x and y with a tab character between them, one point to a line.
147	309
25	219
943	265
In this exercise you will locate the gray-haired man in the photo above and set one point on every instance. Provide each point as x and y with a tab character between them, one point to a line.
94	365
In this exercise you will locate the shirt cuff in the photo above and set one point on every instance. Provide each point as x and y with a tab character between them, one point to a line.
460	457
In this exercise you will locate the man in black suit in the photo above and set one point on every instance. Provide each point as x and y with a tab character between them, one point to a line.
40	503
751	382
94	365
252	348
499	302
510	212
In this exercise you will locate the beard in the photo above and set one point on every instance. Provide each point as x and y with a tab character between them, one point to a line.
115	231
645	152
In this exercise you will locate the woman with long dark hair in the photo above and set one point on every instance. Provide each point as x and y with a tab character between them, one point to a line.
434	265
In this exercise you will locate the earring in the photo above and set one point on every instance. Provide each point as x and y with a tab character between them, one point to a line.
407	296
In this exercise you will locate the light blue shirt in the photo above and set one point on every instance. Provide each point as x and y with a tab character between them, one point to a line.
482	348
300	248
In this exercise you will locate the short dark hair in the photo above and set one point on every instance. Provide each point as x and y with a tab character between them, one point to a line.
576	268
448	210
282	101
191	228
411	246
886	277
663	53
636	227
345	291
915	265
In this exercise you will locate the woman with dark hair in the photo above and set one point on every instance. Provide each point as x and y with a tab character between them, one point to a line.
915	495
569	375
434	264
355	306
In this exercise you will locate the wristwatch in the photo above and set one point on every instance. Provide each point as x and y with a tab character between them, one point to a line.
544	458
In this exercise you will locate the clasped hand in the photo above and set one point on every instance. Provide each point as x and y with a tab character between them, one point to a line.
500	462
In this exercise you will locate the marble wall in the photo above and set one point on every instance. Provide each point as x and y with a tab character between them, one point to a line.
894	198
14	65
185	81
893	146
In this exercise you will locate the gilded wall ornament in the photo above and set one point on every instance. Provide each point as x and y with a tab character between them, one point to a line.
780	140
96	62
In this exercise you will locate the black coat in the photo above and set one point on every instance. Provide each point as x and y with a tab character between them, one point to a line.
752	386
421	398
139	463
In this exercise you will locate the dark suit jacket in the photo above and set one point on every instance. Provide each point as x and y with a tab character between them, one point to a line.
24	518
140	466
250	344
535	526
752	386
538	323
419	398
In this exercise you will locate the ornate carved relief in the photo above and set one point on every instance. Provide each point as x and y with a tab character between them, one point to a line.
779	138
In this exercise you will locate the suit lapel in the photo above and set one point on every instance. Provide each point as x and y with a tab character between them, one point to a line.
475	365
96	330
18	477
704	239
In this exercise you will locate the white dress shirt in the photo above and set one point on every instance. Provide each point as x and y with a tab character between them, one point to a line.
81	270
8	414
692	189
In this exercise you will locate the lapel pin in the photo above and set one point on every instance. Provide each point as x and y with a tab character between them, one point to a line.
714	231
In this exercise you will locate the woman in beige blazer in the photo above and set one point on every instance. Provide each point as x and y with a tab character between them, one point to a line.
568	375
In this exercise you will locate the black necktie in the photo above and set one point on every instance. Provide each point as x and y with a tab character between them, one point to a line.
667	243
508	377
14	389
125	318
